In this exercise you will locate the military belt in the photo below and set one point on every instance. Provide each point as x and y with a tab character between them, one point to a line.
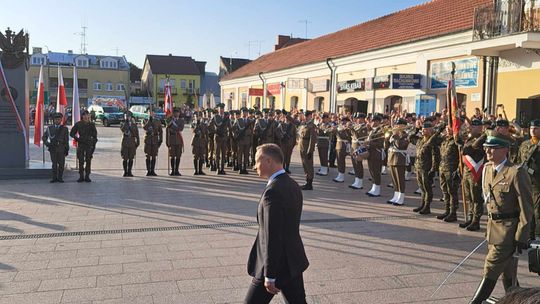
323	137
503	216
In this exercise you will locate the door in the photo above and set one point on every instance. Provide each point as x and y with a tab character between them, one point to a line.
527	110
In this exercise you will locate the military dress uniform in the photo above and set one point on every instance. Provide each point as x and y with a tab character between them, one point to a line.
529	158
286	133
343	148
152	142
221	126
448	176
243	133
307	141
56	139
85	134
507	192
199	144
130	142
359	133
398	160
232	153
211	160
375	146
323	144
175	143
425	162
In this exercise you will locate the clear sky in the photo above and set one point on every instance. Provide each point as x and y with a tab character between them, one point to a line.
202	29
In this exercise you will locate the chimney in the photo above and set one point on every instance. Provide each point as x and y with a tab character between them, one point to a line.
281	41
70	52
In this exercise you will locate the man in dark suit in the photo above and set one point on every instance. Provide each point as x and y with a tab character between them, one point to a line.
277	259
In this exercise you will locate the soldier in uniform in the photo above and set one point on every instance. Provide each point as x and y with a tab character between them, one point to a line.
286	133
343	147
56	139
529	158
397	161
502	126
448	174
333	141
375	146
473	159
307	142
130	142
233	142
152	142
359	133
425	162
242	130
323	143
256	138
175	141
507	192
85	134
220	123
211	161
199	143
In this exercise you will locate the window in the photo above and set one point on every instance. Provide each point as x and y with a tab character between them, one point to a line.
97	86
108	64
109	86
183	84
82	62
120	87
36	83
38	60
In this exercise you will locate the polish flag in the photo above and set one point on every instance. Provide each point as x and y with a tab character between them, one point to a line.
168	103
38	116
61	100
75	109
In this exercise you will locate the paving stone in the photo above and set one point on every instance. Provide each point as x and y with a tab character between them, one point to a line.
120	259
204	284
76	262
19	287
176	275
42	274
155	288
69	283
85	294
148	266
47	297
95	270
123	279
195	263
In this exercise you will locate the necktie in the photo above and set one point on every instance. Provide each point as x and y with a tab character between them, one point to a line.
494	173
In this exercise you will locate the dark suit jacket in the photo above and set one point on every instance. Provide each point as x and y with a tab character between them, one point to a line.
278	251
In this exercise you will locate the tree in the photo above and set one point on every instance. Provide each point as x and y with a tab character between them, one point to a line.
134	72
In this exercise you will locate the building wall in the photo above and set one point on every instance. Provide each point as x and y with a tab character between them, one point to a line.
181	95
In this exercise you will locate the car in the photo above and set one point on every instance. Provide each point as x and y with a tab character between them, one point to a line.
141	113
107	115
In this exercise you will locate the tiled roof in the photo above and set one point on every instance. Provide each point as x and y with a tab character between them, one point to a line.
174	65
236	63
431	19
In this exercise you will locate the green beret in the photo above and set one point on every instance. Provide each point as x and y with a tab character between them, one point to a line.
476	122
244	109
502	123
221	105
308	113
377	118
427	125
401	121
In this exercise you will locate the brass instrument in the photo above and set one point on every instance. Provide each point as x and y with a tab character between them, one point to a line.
515	130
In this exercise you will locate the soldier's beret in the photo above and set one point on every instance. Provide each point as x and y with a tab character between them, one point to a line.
308	113
476	122
226	113
427	125
266	110
258	113
487	122
401	121
502	123
535	123
278	111
271	113
221	105
377	118
244	109
284	112
361	115
58	115
497	140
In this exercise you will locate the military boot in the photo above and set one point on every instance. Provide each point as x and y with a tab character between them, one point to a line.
483	291
172	161
445	214
222	169
508	284
124	165
130	167
201	163
417	209
148	167
475	225
81	172
466	223
177	167
87	171
426	210
207	163
451	217
308	185
196	166
153	167
213	166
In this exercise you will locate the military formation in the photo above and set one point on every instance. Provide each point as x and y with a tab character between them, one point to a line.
491	162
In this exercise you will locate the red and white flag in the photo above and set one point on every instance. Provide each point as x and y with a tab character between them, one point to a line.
40	104
168	102
61	100
456	119
75	108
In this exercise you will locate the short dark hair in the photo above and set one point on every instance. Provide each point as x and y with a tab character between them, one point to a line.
521	295
273	151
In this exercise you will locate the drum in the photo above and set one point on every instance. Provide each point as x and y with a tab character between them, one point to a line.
361	152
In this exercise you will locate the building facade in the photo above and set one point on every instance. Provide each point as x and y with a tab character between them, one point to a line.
99	77
403	61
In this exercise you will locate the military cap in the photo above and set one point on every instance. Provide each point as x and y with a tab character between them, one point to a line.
84	112
497	140
377	118
278	111
270	113
284	112
176	110
258	112
226	113
325	115
427	125
361	115
266	110
221	105
408	115
385	117
535	123
251	111
502	123
58	115
487	122
401	121
308	113
344	118
476	122
244	109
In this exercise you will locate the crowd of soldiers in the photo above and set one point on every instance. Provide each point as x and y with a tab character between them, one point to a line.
399	144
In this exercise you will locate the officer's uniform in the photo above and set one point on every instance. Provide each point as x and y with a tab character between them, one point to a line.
130	142
507	192
375	146
152	142
424	163
307	141
359	134
529	157
232	153
211	161
221	126
343	148
398	160
243	133
199	144
286	133
56	138
85	134
323	143
255	140
175	143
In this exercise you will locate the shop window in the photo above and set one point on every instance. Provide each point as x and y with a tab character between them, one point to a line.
272	102
294	103
257	103
318	104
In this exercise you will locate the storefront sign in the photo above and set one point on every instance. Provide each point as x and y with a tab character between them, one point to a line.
426	104
351	86
466	73
296	83
381	82
318	85
273	89
256	92
406	81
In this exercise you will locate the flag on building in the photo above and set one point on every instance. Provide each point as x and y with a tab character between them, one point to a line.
168	102
40	104
75	108
61	100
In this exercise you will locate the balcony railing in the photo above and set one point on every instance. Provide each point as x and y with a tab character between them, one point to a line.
505	18
69	91
174	91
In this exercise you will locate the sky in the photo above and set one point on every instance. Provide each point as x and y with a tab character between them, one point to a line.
202	29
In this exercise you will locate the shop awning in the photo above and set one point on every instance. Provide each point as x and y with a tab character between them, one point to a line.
494	46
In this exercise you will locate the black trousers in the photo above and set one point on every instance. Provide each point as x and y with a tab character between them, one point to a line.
292	290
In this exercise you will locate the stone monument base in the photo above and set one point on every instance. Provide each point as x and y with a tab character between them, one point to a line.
35	170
